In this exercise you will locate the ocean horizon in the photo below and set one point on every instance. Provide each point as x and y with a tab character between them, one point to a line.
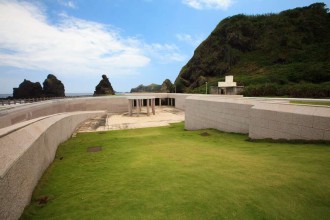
2	96
66	94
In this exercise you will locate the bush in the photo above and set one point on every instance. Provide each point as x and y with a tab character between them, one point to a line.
302	90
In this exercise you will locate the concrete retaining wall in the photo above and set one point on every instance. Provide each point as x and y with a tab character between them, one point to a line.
180	100
225	114
27	149
113	104
286	121
26	112
258	117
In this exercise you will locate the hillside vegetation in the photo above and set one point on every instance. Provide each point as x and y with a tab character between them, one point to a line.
285	54
165	87
150	88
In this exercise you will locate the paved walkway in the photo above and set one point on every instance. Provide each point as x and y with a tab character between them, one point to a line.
163	117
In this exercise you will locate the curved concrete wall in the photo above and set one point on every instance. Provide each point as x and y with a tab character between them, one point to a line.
35	110
27	149
113	104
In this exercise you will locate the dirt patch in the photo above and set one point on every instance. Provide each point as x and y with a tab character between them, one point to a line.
174	111
43	200
93	124
94	149
205	134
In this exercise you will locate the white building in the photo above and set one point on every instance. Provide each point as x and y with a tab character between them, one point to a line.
229	87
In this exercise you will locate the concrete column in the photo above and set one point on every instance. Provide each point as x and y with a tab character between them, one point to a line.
138	106
160	102
148	113
153	106
130	105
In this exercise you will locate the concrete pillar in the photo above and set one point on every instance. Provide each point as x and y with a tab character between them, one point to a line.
160	102
153	106
148	113
130	106
138	102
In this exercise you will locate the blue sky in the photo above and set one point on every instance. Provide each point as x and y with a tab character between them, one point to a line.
133	42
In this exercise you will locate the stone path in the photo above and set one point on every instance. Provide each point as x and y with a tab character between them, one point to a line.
163	117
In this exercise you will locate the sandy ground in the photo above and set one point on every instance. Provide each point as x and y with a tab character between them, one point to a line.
163	117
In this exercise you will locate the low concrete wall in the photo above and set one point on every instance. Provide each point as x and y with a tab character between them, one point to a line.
222	113
27	149
259	117
287	121
180	100
115	104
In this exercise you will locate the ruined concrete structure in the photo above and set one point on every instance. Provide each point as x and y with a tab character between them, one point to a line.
30	134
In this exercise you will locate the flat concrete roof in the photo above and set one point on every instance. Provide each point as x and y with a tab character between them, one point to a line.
141	97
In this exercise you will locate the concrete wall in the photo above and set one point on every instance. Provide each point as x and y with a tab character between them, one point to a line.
180	100
222	113
259	117
34	110
286	121
27	149
114	104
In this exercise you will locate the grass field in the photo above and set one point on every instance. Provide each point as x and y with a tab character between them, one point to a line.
310	103
170	173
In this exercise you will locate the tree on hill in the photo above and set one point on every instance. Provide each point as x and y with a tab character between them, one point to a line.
53	87
284	49
28	89
104	87
150	88
167	86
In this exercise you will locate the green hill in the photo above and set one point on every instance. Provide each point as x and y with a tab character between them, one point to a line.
285	54
150	88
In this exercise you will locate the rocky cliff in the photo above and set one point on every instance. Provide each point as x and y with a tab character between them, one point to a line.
271	54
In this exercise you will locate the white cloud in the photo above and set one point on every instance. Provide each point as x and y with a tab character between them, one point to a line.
209	4
165	52
73	46
69	4
194	41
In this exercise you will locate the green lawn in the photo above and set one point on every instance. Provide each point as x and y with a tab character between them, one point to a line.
311	103
170	173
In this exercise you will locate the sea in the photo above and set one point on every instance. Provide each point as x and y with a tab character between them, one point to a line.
66	94
5	95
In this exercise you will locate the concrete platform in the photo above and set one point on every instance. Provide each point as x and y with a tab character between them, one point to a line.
163	117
